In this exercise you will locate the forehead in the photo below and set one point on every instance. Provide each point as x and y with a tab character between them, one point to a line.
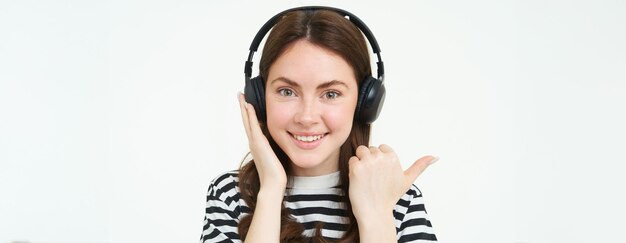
309	65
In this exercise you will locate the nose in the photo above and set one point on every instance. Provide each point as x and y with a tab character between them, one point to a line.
308	113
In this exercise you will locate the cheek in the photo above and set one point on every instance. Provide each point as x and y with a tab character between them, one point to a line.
277	116
339	118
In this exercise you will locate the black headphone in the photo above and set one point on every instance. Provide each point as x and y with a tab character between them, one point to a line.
372	91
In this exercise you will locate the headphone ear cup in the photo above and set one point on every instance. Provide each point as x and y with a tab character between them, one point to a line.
254	92
370	101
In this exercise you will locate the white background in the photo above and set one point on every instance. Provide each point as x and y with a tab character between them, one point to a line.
116	115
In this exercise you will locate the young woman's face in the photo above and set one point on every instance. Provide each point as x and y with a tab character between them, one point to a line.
311	94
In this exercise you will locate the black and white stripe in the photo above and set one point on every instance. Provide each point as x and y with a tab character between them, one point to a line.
311	203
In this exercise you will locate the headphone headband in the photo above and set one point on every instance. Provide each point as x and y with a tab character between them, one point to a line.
353	18
371	91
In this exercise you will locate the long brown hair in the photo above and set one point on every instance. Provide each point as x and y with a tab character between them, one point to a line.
331	31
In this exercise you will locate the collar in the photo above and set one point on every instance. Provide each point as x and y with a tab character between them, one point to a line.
316	182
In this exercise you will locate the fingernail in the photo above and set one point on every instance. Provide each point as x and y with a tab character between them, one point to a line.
435	159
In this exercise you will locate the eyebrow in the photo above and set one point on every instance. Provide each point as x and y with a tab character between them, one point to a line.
321	86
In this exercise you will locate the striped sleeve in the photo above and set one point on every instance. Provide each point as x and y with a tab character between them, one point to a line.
222	211
412	223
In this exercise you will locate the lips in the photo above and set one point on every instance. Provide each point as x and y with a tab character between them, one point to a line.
308	138
308	141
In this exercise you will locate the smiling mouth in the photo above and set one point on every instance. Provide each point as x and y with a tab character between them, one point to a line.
308	138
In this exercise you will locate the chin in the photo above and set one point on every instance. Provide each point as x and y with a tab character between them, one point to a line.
311	165
305	162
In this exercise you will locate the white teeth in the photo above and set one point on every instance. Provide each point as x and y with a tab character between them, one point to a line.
307	138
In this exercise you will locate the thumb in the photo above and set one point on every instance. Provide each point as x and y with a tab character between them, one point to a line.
418	167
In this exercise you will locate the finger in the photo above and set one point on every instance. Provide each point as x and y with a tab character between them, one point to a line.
385	148
374	150
244	114
362	151
418	167
352	161
255	128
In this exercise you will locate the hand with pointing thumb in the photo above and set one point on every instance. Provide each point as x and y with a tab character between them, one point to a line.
377	181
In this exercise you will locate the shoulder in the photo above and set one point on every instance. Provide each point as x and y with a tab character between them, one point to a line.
411	201
223	209
412	221
224	193
225	178
414	191
412	194
224	183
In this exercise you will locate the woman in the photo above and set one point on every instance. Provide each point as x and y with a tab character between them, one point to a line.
313	176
